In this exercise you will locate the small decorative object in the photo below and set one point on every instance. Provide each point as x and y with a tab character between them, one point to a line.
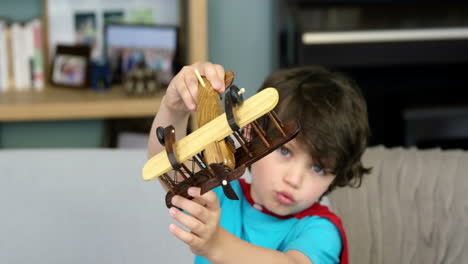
100	75
70	66
141	81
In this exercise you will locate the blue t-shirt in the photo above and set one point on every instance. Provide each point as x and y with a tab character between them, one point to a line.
314	236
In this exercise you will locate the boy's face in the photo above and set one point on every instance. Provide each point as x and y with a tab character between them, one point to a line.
286	181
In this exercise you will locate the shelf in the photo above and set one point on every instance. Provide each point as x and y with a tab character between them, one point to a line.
366	36
56	103
372	54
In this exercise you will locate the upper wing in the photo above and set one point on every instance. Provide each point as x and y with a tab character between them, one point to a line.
213	131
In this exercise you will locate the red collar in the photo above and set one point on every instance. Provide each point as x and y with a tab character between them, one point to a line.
314	210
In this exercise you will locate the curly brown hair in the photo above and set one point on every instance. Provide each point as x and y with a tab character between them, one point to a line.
332	114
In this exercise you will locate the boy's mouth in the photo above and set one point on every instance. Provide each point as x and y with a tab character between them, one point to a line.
285	198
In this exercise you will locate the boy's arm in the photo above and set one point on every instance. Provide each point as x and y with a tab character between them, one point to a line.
232	249
166	117
208	239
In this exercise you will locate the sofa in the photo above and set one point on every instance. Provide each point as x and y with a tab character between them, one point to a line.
80	206
412	208
92	206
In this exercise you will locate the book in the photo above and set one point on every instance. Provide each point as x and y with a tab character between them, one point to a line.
28	55
17	48
9	52
21	56
3	58
38	56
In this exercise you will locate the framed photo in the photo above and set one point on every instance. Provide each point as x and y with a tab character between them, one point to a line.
70	66
129	46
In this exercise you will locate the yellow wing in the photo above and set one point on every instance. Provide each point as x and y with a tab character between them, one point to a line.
213	131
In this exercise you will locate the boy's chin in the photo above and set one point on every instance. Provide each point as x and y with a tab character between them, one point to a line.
281	210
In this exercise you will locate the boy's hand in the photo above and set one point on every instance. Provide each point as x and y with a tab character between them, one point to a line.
182	92
201	220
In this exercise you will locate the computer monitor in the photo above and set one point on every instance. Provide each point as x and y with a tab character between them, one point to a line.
128	46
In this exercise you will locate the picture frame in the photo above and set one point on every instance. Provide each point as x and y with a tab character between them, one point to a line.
151	46
70	66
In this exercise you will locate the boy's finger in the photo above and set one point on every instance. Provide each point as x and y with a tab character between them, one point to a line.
187	237
212	76
194	191
221	73
190	222
186	96
191	83
193	208
199	66
210	198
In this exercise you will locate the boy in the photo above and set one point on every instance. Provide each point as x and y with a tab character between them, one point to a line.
278	218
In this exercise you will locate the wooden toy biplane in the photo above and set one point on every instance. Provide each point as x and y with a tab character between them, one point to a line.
207	157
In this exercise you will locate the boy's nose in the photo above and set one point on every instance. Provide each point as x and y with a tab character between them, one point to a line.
293	177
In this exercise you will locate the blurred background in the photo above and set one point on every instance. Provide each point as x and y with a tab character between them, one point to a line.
409	57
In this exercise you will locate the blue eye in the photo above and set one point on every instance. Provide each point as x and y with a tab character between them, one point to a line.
284	151
318	169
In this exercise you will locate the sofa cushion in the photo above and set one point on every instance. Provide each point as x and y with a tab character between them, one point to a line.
83	206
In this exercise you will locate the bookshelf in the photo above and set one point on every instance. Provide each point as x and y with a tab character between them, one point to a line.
57	103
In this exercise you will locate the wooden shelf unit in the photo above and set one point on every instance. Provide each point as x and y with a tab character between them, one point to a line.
56	103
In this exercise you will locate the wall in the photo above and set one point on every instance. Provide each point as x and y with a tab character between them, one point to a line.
20	10
58	134
242	39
